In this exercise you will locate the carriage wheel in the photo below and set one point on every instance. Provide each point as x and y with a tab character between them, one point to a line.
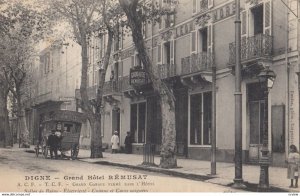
45	152
37	149
74	151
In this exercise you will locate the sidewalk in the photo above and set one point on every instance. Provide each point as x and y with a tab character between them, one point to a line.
190	168
194	169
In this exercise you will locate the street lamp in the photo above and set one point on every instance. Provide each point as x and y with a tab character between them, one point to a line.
266	78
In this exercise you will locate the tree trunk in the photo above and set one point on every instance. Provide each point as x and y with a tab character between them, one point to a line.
96	142
94	119
22	126
3	117
8	133
168	155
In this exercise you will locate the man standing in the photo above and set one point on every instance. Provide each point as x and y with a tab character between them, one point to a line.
53	142
115	142
128	143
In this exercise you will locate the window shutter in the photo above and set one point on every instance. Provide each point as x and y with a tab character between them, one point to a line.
132	61
194	6
159	53
172	51
244	21
120	68
244	32
210	3
210	43
267	17
193	42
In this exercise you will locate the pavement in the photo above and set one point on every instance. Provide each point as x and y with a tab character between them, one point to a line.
195	169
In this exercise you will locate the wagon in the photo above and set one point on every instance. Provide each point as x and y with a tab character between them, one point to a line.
68	126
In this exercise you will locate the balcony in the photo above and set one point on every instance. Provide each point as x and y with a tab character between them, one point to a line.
196	63
166	71
91	92
252	49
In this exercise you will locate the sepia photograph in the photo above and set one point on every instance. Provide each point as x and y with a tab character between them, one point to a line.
149	96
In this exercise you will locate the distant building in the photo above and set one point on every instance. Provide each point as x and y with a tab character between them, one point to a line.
51	85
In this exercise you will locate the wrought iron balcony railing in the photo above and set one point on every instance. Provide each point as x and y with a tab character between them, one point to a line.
165	71
111	87
196	62
91	92
252	48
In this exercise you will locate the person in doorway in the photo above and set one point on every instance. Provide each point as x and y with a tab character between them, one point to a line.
293	166
128	143
115	142
53	142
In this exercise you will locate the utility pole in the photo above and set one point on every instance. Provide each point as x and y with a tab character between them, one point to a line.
213	123
238	180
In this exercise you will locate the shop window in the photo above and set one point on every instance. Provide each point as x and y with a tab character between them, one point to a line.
138	122
256	113
200	118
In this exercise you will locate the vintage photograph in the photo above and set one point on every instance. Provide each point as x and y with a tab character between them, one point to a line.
120	96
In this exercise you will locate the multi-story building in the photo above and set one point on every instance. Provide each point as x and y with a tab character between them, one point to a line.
51	86
183	48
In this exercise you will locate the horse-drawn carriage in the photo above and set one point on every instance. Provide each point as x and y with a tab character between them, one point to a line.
67	126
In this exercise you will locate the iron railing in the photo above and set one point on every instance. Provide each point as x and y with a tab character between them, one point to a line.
254	47
148	154
196	62
165	71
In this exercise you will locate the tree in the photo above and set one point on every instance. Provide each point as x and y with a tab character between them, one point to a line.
137	12
23	26
87	18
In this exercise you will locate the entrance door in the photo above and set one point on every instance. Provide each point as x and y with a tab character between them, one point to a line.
116	120
256	118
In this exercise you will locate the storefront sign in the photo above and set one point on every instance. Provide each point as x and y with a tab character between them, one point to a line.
223	12
138	77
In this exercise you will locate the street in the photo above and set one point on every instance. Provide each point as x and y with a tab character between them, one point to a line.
23	172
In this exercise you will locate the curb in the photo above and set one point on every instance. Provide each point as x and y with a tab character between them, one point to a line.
203	178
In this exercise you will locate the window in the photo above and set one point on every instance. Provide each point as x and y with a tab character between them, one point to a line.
200	118
167	53
257	15
138	122
202	40
136	62
144	29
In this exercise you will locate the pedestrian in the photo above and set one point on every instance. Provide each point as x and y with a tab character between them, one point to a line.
128	143
115	142
293	165
53	142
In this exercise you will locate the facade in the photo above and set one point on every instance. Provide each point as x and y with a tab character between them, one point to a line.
51	86
183	48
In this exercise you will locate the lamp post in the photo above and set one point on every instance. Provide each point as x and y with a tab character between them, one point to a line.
266	78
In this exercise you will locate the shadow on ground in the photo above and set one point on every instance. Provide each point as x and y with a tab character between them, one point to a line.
253	188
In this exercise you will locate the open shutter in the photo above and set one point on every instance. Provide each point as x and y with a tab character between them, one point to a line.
132	61
120	68
172	58
194	11
172	51
193	42
210	3
267	17
210	43
159	54
244	32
